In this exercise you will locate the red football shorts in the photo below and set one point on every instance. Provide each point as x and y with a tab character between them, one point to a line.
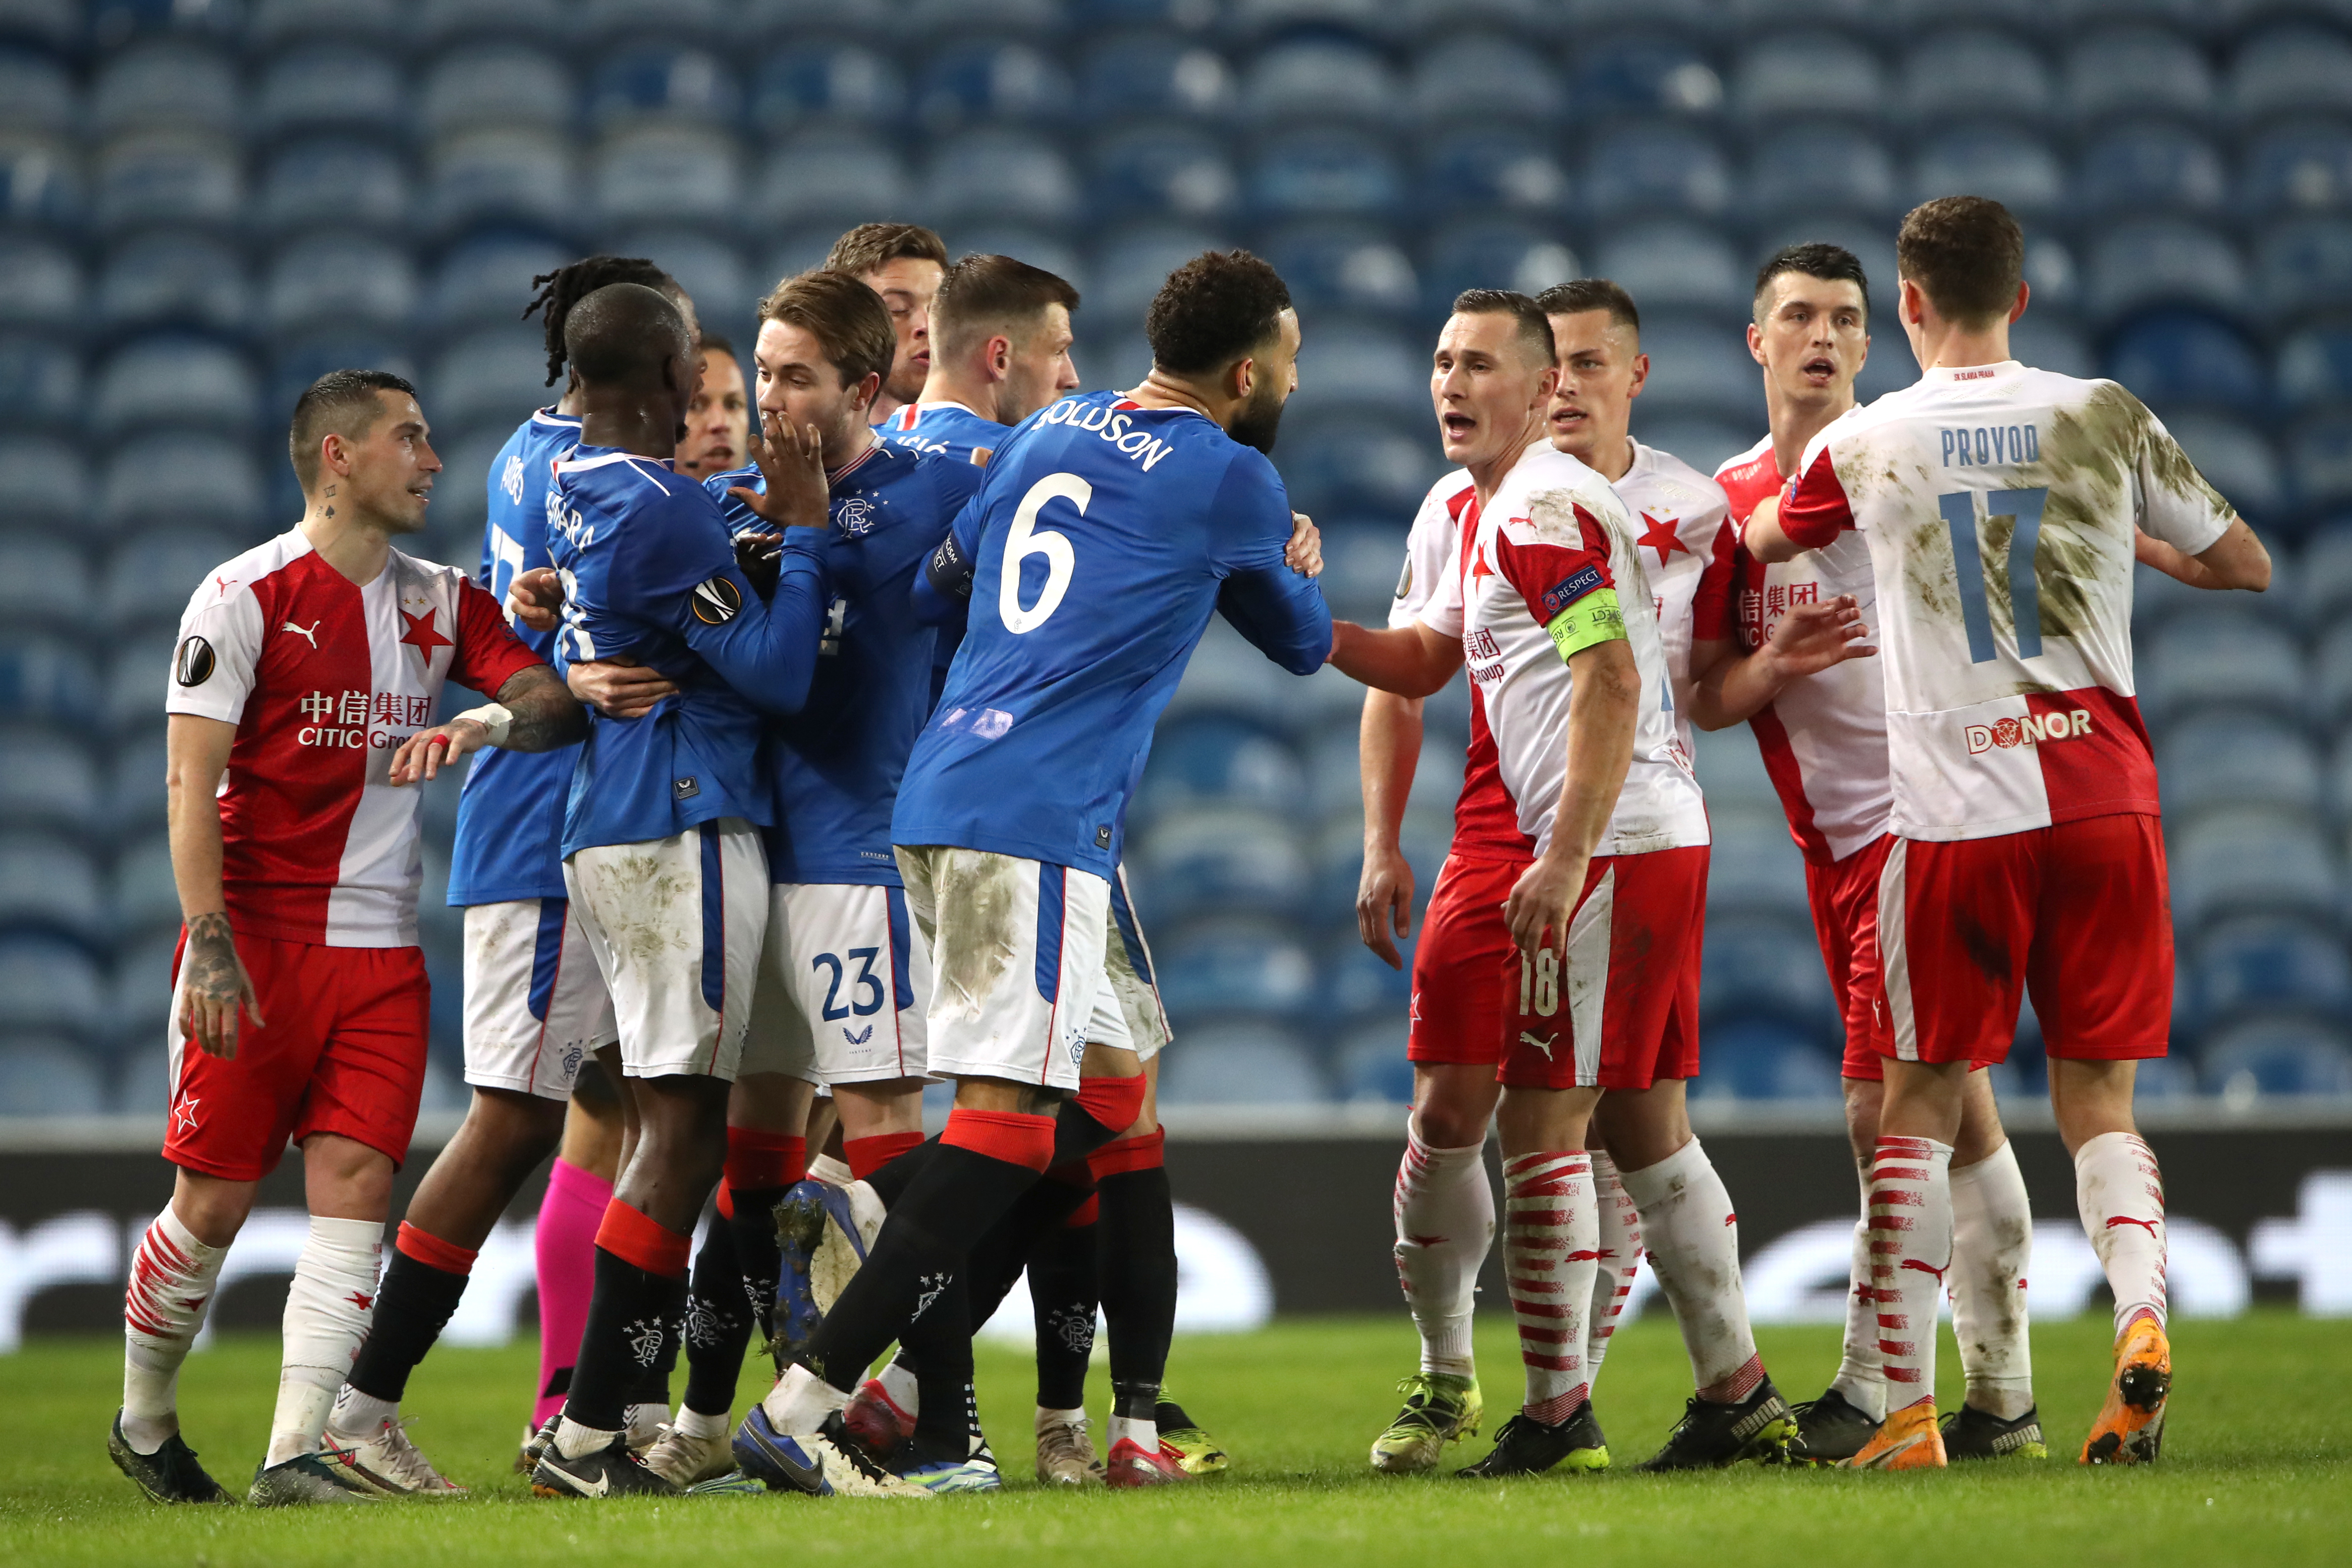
2077	915
1844	897
1458	965
1623	1012
343	1052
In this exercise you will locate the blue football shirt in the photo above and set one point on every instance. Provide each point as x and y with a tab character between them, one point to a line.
1102	539
950	430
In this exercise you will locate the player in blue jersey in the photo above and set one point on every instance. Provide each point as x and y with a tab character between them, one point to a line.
1109	528
535	1005
661	842
903	264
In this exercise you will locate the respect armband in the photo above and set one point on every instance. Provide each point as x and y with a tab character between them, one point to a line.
948	572
1595	618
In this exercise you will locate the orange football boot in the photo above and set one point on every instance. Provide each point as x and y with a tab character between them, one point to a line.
1907	1440
2130	1427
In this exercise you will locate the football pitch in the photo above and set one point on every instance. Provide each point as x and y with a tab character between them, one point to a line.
2257	1469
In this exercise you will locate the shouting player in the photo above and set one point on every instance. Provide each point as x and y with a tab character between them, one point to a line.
719	421
306	674
1009	820
2003	507
1819	720
903	263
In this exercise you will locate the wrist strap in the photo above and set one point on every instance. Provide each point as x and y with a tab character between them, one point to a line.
496	718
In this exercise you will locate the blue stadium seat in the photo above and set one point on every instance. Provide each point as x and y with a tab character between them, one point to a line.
1971	72
2304	264
2218	759
712	272
1098	16
2264	964
1231	964
1227	674
36	92
2047	339
332	87
830	81
831	175
1656	168
1807	74
149	577
875	22
2252	861
1670	262
1490	172
662	83
40	180
1365	18
54	23
1696	367
1132	264
984	79
334	180
2323	575
2302	166
1147	75
1652	74
2278	1057
2013	167
707	22
164	83
1347	463
1369	1065
45	678
662	174
287	21
1820	167
42	484
1754	864
1342	267
1324	174
133	797
2164	261
2292	68
2238	459
496	85
1356	364
1200	862
40	380
145	897
168	176
510	176
929	18
2319	459
339	279
176	381
1216	760
2219	657
2173	359
170	278
45	582
2339	765
2149	168
1356	984
48	1078
47	884
1493	254
1319	81
1361	561
444	21
302	359
47	780
1496	78
1159	170
497	375
2136	71
1245	1065
1770	967
1002	175
1040	245
461	505
1765	1059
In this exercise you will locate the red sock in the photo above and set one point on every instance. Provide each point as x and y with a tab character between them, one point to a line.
867	1155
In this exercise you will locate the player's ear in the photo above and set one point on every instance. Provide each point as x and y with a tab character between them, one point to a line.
2024	293
868	389
1641	375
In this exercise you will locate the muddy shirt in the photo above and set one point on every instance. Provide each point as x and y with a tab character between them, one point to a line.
1998	503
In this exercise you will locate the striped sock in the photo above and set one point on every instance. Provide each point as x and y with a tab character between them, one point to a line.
2120	1193
1910	1249
1551	1253
1444	1214
1621	1258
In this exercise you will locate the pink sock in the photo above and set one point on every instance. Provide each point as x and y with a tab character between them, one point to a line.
566	1243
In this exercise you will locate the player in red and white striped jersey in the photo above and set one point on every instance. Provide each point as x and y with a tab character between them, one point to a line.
2003	508
1792	661
301	700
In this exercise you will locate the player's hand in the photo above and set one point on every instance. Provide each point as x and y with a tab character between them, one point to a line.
423	755
215	987
619	689
1541	902
535	598
760	557
1385	894
1811	638
1304	553
791	460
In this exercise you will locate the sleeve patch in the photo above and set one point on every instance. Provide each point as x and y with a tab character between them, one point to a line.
717	602
1595	618
1570	589
193	665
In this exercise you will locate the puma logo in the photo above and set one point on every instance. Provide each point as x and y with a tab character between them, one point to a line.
1544	1045
308	634
1928	1268
2147	1225
1584	1257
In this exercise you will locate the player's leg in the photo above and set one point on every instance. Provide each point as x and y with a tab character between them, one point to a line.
2101	976
563	1244
1621	1258
1064	1298
1992	1254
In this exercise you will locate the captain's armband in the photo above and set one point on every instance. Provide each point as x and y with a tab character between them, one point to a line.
1595	618
948	571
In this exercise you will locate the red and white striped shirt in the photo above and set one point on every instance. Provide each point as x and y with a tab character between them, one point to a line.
324	680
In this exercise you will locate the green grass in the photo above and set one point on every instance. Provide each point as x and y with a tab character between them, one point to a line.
2257	1468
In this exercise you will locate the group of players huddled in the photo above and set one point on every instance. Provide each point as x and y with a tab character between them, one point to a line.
813	727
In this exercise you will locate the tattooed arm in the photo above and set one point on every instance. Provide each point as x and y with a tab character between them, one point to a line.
542	716
216	984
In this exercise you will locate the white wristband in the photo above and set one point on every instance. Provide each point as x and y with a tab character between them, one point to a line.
496	718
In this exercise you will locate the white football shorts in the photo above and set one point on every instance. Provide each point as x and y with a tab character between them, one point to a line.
535	1001
842	987
1134	985
676	924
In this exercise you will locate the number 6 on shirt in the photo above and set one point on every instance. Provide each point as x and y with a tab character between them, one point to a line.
1027	539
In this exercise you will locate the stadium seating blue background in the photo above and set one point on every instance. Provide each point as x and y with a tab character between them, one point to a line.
204	203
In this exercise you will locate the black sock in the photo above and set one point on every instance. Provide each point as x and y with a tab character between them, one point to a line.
1137	1241
944	1375
758	1256
1062	1293
718	1324
891	1182
921	1253
411	1307
1077	1135
629	1344
1000	1254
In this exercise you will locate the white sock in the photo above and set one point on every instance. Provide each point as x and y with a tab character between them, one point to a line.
1445	1212
572	1439
1621	1260
1144	1434
171	1278
695	1424
1859	1380
1910	1252
1692	1239
898	1381
1550	1258
2121	1195
824	1167
357	1414
1062	1417
327	1315
799	1401
1992	1249
642	1418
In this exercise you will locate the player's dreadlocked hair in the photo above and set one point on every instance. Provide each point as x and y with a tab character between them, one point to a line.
559	290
